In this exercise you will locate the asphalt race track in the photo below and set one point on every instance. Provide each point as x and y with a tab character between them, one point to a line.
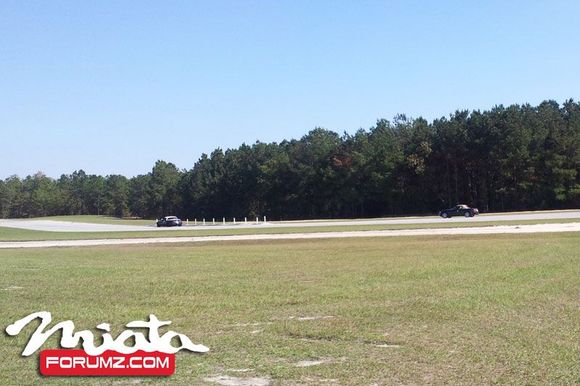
67	226
506	229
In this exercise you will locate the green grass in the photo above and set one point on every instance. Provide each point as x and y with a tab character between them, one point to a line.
14	234
463	310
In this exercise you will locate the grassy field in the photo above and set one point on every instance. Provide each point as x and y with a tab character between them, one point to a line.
14	234
445	310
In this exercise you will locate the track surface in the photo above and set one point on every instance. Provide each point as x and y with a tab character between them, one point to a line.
538	228
67	226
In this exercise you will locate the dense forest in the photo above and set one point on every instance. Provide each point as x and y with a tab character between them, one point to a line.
508	158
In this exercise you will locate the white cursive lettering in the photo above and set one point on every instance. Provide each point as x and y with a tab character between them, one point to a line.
71	339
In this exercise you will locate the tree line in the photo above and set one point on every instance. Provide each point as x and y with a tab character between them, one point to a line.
520	157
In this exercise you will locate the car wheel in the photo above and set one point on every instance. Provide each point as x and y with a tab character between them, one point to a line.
444	215
467	214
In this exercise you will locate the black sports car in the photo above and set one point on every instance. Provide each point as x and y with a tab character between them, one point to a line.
169	221
459	210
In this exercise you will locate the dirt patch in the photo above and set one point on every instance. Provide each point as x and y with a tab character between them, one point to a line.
12	288
312	362
302	318
305	318
227	380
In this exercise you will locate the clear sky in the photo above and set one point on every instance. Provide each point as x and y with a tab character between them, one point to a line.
112	86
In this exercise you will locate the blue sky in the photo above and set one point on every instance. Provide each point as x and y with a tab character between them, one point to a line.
112	86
